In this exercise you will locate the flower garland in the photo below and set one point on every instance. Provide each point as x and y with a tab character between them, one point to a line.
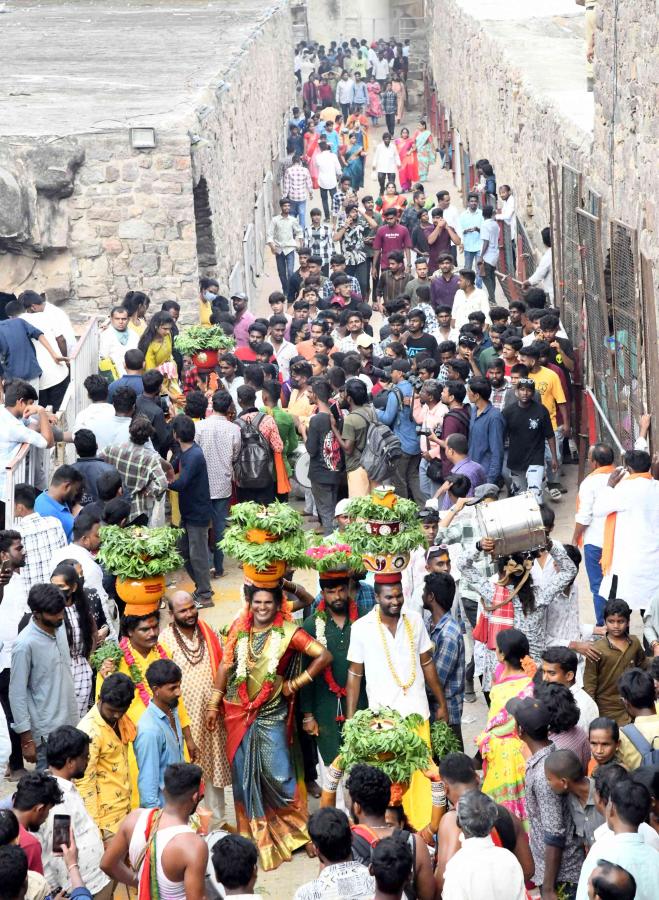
321	626
242	647
410	637
135	671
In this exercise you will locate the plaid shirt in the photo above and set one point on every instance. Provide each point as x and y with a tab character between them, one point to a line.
297	183
42	536
141	474
328	288
319	241
463	530
220	441
498	396
448	654
389	100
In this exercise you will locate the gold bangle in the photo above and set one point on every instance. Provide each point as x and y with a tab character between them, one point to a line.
218	692
304	678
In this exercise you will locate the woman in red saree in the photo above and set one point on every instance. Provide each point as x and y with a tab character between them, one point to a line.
256	680
311	151
409	167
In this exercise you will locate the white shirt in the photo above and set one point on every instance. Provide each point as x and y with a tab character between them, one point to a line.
340	881
482	871
13	433
372	57
110	347
452	219
88	841
414	581
366	646
61	325
508	216
344	90
94	415
284	354
589	489
329	169
463	305
381	69
14	607
636	541
543	274
647	832
52	372
490	233
629	851
588	711
386	159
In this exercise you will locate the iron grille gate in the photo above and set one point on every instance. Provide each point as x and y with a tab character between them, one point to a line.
555	230
650	345
626	307
570	301
599	365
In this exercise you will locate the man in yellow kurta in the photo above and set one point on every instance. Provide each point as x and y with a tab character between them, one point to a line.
140	647
105	786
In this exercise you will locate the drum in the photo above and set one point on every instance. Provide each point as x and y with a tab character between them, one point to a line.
515	524
302	470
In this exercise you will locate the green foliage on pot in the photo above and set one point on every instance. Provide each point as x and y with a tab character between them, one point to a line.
364	743
139	552
281	520
405	511
196	338
443	740
361	540
107	650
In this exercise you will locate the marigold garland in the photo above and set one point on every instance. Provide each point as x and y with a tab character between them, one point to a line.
410	636
135	671
328	674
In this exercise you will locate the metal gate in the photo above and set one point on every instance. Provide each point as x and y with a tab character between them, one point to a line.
555	230
599	364
526	262
650	345
626	308
570	254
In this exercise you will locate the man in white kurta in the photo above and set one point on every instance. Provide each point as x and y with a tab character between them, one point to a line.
392	650
633	575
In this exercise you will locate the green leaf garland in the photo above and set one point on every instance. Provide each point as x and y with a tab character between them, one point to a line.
280	520
363	744
139	552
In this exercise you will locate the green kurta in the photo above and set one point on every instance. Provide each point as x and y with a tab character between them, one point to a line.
316	698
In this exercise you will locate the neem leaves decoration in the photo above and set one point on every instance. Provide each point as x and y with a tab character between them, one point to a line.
443	740
387	741
261	535
405	511
196	338
363	541
107	650
139	552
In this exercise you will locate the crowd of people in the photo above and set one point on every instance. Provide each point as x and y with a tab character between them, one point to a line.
379	355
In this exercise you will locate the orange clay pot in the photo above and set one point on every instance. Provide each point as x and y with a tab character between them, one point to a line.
260	536
144	594
265	578
384	496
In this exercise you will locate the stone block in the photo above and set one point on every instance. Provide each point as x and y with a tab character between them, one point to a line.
111	173
166	187
183	162
144	263
183	250
113	245
135	228
130	171
164	162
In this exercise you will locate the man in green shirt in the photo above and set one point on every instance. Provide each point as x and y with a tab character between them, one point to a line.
323	700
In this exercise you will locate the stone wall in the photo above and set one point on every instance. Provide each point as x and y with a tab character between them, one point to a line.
124	219
333	20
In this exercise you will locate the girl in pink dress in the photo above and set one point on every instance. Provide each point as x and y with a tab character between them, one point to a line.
374	108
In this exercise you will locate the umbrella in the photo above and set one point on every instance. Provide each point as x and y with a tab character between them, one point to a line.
329	114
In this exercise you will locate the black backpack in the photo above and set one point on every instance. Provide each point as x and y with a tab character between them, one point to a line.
255	466
381	450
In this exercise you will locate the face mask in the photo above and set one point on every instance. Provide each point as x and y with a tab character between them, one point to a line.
209	296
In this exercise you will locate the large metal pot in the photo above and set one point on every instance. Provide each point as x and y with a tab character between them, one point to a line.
515	524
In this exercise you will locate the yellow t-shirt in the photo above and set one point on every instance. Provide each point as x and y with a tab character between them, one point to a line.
205	312
548	385
630	757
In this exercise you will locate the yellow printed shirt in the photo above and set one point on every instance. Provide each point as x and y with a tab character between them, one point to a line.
548	385
205	312
105	787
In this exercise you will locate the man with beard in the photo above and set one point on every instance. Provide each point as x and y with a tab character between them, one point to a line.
35	796
182	854
197	652
67	752
498	382
255	336
41	693
392	650
323	706
159	741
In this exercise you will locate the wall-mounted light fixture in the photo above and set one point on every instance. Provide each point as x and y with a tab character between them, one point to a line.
143	138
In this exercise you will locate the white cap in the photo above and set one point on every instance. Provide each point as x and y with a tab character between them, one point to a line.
342	507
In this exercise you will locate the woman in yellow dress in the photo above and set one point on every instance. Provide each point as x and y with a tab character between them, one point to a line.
140	647
500	748
156	345
136	305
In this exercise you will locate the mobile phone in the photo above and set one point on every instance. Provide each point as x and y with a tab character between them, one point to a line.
5	566
61	832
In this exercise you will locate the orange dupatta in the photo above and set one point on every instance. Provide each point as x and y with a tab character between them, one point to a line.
610	530
601	470
213	644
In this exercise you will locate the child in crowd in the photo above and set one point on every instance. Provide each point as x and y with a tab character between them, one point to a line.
618	651
566	778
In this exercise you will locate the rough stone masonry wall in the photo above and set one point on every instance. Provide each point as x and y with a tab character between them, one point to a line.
129	223
498	116
243	123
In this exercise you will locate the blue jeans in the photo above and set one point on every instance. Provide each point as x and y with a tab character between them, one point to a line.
285	269
592	556
220	509
470	263
299	209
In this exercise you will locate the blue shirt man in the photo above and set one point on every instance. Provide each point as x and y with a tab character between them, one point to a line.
18	358
397	414
46	505
486	431
159	741
448	646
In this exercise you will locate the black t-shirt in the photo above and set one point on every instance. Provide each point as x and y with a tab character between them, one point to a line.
425	345
326	461
527	428
557	358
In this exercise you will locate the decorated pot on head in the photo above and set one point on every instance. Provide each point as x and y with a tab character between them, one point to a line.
270	577
384	495
385	563
141	595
